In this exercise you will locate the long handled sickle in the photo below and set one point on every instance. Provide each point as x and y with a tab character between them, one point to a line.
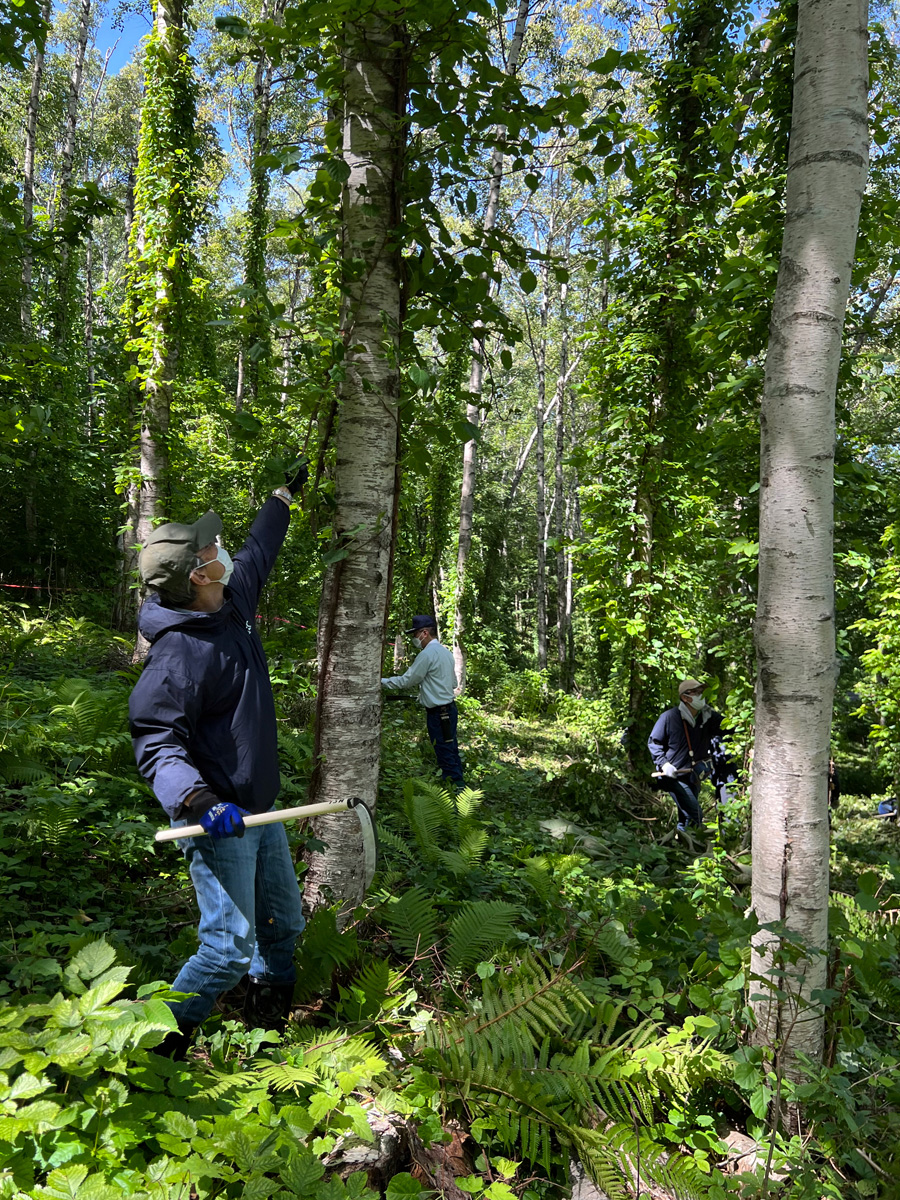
353	804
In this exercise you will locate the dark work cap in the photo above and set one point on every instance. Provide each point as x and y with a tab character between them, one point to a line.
171	552
422	623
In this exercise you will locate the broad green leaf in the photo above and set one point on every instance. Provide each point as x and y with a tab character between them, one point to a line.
403	1185
92	960
302	1172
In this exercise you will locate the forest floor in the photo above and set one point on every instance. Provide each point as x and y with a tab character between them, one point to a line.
534	981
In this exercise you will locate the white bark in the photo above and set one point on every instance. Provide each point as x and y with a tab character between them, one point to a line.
28	193
563	612
796	663
354	595
63	271
73	102
540	472
474	412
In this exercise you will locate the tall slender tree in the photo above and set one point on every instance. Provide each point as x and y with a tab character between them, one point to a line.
795	635
256	342
474	412
28	170
352	617
62	298
166	213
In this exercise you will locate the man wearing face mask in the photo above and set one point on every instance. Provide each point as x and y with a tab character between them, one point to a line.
435	676
680	743
203	725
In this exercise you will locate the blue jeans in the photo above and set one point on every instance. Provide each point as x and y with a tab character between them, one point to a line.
687	803
250	915
446	749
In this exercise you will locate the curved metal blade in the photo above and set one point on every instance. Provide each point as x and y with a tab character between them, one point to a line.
369	839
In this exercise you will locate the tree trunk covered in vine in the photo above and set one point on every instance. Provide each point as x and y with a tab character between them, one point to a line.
352	615
159	269
795	635
680	193
474	412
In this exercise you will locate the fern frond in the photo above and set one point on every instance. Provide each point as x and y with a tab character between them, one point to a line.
412	921
540	1000
468	800
478	928
285	1077
431	815
473	844
20	769
387	837
221	1084
453	861
329	1052
51	823
537	873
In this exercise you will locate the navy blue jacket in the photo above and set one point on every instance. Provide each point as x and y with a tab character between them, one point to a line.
201	712
667	741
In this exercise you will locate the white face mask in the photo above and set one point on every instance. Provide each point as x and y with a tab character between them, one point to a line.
696	702
224	558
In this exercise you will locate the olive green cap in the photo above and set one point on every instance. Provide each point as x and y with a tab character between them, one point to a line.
172	551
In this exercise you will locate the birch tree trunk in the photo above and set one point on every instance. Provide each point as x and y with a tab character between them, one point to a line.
355	590
28	193
540	471
63	270
474	413
795	637
563	611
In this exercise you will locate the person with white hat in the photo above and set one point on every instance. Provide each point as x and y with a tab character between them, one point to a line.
680	743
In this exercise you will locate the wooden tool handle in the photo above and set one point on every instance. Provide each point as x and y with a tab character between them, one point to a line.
267	818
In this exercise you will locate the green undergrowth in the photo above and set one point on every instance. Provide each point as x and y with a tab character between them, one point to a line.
532	973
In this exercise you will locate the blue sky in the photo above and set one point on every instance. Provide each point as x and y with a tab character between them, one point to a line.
131	28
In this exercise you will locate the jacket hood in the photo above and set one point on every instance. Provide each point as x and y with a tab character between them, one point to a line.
155	619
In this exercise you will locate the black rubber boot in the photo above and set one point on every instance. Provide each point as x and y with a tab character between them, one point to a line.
176	1043
268	1005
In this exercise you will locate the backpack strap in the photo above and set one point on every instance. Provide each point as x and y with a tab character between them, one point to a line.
688	740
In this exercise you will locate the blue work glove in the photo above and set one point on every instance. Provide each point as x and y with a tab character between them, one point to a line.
223	820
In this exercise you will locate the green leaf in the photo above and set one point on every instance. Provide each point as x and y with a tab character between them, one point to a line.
528	282
608	61
700	995
91	960
746	1075
235	27
760	1101
466	431
402	1185
247	421
338	169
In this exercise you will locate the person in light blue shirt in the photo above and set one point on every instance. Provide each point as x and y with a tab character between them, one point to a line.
433	673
